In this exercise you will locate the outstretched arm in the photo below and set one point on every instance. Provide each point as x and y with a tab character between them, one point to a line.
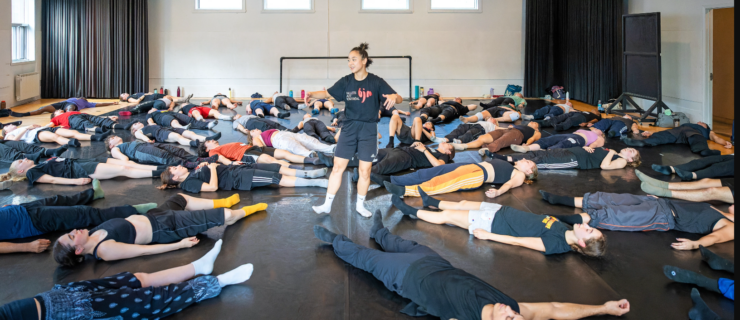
537	135
714	137
54	180
557	310
37	246
515	181
724	234
529	243
117	154
111	250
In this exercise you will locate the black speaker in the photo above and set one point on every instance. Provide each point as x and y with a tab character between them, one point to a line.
641	64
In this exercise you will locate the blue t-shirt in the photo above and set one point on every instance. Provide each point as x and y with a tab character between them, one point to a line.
15	223
363	99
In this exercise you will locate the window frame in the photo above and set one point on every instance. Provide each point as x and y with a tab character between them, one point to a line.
29	35
479	10
398	11
197	10
312	10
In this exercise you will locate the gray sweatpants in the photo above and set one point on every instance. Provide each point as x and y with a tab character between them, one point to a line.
628	212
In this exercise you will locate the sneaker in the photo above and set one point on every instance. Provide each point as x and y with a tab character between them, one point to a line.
302	106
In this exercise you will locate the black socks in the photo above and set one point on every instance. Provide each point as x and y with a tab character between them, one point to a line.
379	178
55	152
405	209
570	219
666	170
74	143
701	311
556	199
428	201
685	175
493	155
214	137
391	142
313	161
323	234
716	262
690	277
100	136
119	126
377	224
194	143
327	161
19	114
710	152
394	189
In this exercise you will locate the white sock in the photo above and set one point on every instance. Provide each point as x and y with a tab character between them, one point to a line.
238	275
361	207
225	117
326	207
204	265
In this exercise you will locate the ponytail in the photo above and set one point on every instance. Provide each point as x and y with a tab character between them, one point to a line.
362	50
12	174
168	181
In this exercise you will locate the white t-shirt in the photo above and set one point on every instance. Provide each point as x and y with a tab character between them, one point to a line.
486	126
567	107
27	137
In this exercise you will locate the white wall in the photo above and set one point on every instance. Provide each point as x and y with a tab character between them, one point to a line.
460	54
8	71
682	40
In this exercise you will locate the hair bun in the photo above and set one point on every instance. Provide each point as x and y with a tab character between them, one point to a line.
364	46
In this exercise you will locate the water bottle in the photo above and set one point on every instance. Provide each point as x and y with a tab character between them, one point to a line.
303	94
416	94
601	108
421	92
178	91
290	94
161	90
491	92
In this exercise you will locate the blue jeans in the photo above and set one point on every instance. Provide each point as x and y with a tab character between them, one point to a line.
561	141
616	126
551	111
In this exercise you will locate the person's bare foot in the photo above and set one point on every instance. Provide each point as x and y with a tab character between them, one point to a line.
463	119
37	246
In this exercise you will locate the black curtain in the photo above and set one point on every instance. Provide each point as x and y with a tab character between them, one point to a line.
575	44
94	48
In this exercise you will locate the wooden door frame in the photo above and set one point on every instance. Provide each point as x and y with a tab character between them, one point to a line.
708	37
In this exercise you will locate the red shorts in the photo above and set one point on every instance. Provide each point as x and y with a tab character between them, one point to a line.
203	111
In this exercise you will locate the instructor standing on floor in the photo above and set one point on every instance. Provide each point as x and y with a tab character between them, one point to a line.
363	93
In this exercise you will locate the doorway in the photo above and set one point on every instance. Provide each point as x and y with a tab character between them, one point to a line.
720	23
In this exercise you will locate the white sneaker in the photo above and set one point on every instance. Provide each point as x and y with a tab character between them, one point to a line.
302	106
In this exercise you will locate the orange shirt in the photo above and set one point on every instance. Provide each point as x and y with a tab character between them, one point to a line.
233	151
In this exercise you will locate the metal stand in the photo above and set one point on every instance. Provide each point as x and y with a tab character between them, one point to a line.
625	99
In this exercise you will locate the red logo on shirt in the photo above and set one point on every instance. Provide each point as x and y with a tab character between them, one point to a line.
364	94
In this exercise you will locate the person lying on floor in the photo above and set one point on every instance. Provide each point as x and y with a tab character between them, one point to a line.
247	153
17	150
704	168
695	135
628	212
428	113
723	286
38	134
502	137
418	132
468	132
499	113
200	113
436	288
515	101
549	111
84	122
426	101
261	109
136	295
171	226
155	133
616	127
221	100
572	119
178	120
491	221
72	104
157	154
75	171
142	97
57	213
393	160
317	104
580	138
387	113
449	178
295	143
582	158
452	110
251	122
316	128
213	177
699	191
283	101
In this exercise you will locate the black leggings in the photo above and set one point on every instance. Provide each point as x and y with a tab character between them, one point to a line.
162	154
282	101
17	150
449	113
171	222
566	121
711	167
431	112
70	212
318	130
696	142
466	132
185	120
146	106
500	101
83	121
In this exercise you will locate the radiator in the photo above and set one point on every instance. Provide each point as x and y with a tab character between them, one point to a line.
27	86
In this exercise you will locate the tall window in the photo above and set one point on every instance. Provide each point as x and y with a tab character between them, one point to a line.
220	5
22	31
288	5
455	5
386	5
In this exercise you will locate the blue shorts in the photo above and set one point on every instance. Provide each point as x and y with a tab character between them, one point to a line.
360	138
266	107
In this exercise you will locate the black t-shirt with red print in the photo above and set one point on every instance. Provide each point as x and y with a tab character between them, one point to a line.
363	99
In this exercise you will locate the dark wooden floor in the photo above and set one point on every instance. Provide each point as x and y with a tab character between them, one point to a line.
296	277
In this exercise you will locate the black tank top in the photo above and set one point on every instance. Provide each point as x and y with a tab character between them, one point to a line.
502	170
694	217
118	229
526	131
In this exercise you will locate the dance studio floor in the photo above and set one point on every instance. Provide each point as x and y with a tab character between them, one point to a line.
296	277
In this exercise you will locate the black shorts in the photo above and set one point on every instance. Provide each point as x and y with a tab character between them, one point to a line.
59	105
163	134
160	105
262	178
89	165
406	137
729	183
52	130
258	151
386	113
359	138
171	222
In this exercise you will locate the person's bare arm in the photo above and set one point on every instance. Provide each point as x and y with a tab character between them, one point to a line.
150	121
141	136
17	135
117	154
317	95
529	243
112	250
557	310
537	135
724	234
54	180
515	181
608	164
211	186
434	161
714	137
37	246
